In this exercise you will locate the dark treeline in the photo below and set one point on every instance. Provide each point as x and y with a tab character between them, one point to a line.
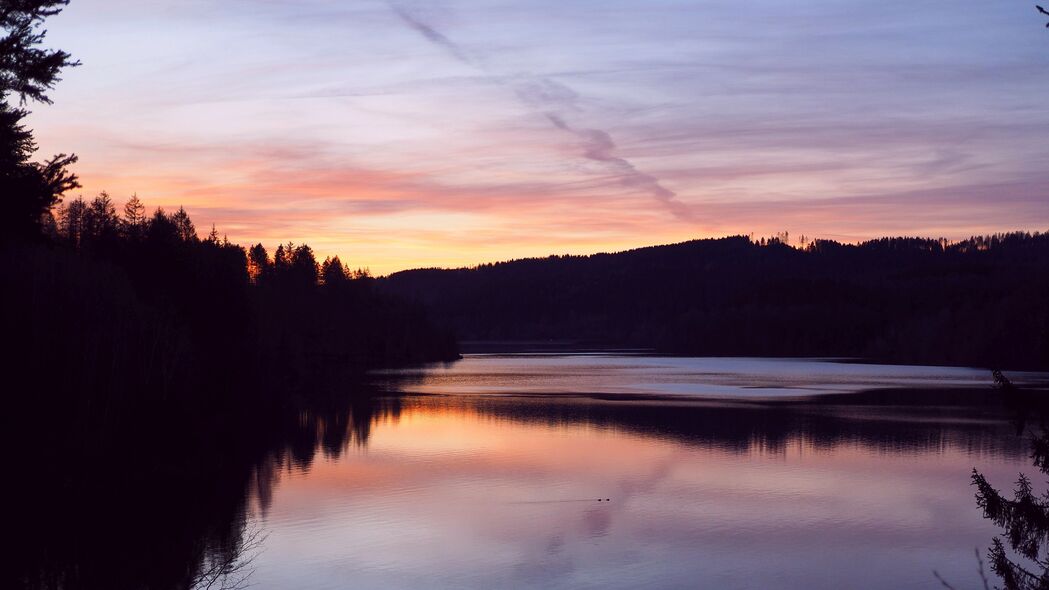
129	304
982	301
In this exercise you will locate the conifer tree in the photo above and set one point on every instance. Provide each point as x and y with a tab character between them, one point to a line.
28	190
134	217
184	226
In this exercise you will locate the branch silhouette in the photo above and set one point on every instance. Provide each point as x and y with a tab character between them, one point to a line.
232	570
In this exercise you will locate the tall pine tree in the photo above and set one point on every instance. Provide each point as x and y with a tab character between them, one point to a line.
28	190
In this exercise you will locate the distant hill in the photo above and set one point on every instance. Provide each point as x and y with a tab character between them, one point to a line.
981	302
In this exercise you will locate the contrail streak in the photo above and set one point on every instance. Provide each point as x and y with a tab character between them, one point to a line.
545	93
600	147
431	34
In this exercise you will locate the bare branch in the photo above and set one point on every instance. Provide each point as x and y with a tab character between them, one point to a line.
983	575
231	571
942	581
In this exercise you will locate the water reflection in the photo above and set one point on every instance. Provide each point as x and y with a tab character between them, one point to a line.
891	421
159	502
649	376
388	491
481	492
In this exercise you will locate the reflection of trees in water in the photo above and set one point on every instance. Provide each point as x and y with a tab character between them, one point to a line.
163	504
889	421
230	568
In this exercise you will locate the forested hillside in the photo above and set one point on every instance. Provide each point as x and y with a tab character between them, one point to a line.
982	301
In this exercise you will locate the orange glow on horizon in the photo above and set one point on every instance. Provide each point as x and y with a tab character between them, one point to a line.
392	223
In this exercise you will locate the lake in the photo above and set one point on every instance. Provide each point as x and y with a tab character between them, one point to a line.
631	471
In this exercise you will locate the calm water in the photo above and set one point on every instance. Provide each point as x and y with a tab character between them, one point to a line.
605	471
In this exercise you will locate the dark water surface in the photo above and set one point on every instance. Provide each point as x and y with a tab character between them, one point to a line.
604	471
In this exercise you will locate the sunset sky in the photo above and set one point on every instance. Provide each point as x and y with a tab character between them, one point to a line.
453	132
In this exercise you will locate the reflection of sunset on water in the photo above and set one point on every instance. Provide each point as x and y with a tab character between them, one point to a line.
475	492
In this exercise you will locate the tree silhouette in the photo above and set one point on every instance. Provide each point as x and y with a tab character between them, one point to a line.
100	219
281	260
26	69
333	272
71	220
1024	518
162	229
303	266
28	190
134	217
184	226
259	265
